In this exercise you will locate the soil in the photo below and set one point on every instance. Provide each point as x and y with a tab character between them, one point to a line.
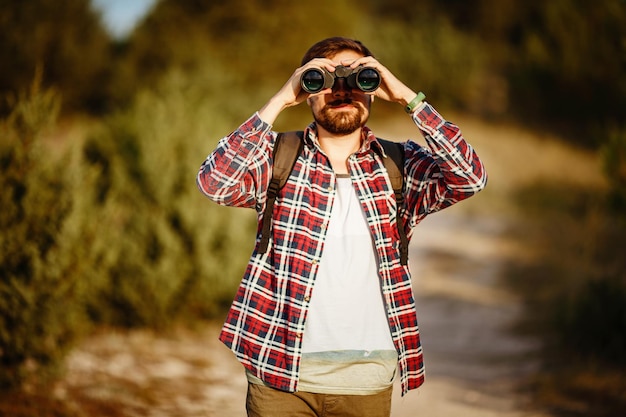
475	366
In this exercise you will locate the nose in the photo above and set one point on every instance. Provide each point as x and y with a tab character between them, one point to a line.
340	86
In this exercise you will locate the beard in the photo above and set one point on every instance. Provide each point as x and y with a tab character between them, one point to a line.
341	122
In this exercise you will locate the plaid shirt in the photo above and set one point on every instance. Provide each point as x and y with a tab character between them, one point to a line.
267	318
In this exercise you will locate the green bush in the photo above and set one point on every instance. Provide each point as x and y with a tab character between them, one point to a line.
40	268
161	250
591	323
574	291
430	54
65	40
112	229
614	157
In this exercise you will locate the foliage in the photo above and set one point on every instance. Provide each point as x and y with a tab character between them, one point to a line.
558	62
259	41
450	66
570	62
40	269
541	62
172	35
65	40
113	231
161	251
614	157
599	307
574	291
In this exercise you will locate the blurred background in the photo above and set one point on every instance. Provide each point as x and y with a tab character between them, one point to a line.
107	109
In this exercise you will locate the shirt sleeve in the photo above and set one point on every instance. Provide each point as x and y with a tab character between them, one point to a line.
236	173
446	172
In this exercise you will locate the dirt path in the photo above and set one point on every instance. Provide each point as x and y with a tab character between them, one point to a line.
474	364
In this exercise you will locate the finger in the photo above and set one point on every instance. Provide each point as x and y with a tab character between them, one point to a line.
320	63
365	61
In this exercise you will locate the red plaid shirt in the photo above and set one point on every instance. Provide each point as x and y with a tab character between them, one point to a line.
267	318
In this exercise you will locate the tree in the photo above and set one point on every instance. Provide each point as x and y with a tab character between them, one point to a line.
65	40
260	41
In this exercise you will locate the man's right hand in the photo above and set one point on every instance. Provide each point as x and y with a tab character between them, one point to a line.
292	94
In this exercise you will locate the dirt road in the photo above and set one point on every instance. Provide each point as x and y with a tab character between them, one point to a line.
474	364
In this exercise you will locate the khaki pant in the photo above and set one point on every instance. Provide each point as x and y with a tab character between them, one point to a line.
263	401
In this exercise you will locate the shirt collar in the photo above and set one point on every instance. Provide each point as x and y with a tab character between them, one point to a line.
370	143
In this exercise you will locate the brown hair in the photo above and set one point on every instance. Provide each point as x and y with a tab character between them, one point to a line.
331	46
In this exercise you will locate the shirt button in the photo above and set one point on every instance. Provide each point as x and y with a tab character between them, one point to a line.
330	189
314	262
307	298
299	335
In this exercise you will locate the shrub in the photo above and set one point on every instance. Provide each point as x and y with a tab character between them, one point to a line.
591	323
161	251
614	157
449	65
40	297
575	295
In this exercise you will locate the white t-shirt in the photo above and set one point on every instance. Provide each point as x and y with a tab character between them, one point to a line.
347	345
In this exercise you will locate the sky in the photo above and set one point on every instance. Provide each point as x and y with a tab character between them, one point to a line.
120	16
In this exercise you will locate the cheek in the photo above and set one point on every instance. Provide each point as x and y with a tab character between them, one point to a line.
315	103
367	100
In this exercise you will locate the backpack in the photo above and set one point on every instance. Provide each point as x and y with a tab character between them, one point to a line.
288	147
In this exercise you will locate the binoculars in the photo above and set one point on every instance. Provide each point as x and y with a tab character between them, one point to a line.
317	79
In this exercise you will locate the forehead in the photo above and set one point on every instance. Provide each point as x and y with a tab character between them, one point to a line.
344	55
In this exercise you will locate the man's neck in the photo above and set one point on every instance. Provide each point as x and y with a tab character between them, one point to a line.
339	147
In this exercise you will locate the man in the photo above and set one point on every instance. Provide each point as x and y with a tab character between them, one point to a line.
326	314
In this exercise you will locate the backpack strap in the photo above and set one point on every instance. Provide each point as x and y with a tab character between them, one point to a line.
287	147
394	164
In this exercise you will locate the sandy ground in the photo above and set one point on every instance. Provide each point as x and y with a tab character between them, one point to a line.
475	366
